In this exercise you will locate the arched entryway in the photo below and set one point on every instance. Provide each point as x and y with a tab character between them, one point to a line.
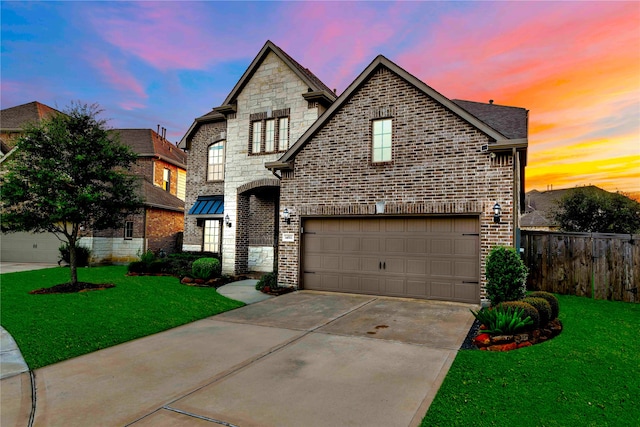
257	226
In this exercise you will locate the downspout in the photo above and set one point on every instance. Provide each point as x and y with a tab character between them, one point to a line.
516	202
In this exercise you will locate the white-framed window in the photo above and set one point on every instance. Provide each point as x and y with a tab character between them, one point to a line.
269	135
215	162
166	179
212	235
128	230
381	140
283	134
256	146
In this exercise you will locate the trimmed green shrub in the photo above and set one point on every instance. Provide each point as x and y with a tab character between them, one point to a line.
543	307
157	266
147	257
502	320
137	267
506	275
83	254
551	299
528	310
205	268
269	279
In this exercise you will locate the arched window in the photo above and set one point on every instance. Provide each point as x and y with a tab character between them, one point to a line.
215	162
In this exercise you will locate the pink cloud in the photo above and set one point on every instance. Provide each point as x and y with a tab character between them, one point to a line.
166	35
335	43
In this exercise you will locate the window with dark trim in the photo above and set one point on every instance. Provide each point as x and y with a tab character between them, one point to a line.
166	179
215	161
269	132
128	230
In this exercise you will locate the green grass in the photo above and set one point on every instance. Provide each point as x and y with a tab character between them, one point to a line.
53	327
589	375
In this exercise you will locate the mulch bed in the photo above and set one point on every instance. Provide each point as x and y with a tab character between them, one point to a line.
477	340
68	288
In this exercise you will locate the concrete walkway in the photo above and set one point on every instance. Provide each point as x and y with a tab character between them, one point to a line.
11	360
243	290
301	359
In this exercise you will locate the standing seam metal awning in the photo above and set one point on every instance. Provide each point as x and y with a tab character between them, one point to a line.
208	205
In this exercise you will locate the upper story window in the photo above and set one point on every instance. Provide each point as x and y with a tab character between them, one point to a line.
269	132
256	146
381	140
215	162
166	179
283	133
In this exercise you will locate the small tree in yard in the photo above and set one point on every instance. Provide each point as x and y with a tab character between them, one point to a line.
68	171
592	210
506	275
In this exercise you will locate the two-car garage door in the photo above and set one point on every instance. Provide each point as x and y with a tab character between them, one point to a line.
432	258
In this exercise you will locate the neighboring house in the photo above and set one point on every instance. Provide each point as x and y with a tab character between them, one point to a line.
161	166
24	246
232	200
540	208
390	191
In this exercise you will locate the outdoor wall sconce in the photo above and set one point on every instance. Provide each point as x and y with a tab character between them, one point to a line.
496	213
286	216
227	221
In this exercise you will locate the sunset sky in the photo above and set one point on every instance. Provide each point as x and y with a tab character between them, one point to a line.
574	65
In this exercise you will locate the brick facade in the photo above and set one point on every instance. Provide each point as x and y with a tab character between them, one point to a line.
197	184
438	167
163	227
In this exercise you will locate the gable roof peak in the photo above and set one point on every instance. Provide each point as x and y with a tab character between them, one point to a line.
314	83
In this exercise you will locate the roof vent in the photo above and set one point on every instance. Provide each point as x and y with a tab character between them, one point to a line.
491	101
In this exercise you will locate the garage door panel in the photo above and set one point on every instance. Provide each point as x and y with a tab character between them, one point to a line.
465	291
350	263
441	268
442	290
416	266
394	287
394	244
465	247
416	246
393	266
417	288
414	257
440	247
331	263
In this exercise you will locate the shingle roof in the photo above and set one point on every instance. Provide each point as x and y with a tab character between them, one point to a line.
512	122
14	118
147	143
380	61
540	206
156	197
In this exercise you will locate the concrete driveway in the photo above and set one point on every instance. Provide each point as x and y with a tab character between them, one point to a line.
302	359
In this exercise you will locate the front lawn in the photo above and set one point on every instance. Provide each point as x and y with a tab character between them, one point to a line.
589	375
53	327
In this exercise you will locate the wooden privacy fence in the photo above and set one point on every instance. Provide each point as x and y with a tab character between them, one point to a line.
595	265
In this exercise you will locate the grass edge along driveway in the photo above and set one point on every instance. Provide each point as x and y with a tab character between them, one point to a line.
589	375
50	328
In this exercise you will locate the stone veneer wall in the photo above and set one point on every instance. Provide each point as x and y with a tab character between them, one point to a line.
197	184
273	86
438	168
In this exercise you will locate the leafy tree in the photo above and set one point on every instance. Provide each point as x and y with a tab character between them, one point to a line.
68	172
592	210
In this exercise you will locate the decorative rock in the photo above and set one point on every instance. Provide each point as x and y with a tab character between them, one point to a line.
524	344
186	280
498	339
482	339
199	281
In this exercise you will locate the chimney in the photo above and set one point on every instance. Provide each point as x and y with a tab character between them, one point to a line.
158	131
